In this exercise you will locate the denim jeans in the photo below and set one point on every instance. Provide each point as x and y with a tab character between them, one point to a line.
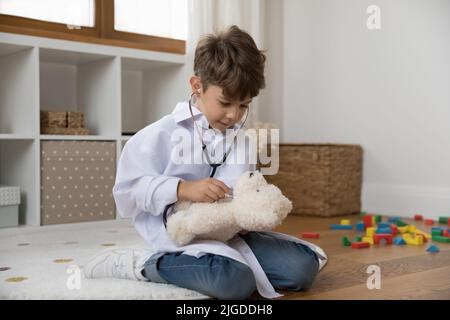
288	265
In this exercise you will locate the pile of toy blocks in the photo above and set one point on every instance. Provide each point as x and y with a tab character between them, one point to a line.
394	231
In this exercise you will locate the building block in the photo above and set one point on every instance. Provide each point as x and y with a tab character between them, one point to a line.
441	239
360	245
370	231
363	213
345	222
393	219
409	239
368	240
378	219
383	225
402	229
429	222
379	236
444	220
358	239
401	223
437	231
394	229
412	228
399	241
340	227
418	217
426	236
360	226
346	242
446	233
383	230
367	219
433	248
310	235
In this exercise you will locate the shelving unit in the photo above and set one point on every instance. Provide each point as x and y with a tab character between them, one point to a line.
118	90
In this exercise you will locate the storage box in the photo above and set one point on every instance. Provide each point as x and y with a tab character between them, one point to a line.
320	179
53	119
9	206
75	119
77	178
64	123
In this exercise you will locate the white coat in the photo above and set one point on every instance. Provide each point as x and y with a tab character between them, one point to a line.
147	181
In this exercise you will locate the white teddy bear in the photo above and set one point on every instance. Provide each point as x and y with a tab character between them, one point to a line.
256	206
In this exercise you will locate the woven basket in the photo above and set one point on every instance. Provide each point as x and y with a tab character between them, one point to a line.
320	179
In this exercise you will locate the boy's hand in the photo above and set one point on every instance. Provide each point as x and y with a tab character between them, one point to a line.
204	190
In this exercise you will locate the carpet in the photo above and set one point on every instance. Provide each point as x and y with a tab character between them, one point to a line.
46	263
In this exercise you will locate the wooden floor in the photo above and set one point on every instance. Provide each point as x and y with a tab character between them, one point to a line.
407	272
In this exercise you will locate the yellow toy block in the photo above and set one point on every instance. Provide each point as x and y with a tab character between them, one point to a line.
374	222
368	239
345	222
370	232
411	228
423	233
403	229
416	241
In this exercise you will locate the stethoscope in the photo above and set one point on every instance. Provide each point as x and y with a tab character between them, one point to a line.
213	166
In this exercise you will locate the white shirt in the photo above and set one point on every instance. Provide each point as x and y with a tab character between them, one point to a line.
147	181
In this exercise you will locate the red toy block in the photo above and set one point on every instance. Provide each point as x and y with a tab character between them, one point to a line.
394	229
418	217
367	219
448	222
310	235
386	236
446	233
429	222
359	245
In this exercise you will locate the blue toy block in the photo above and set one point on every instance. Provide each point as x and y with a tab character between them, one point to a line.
437	229
393	219
384	225
433	248
341	227
360	227
383	230
399	241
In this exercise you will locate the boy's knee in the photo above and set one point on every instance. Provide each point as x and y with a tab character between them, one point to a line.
234	281
303	275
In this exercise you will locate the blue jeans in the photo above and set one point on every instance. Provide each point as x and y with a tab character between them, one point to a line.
288	265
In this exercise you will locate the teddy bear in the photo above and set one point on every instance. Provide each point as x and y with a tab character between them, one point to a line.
254	206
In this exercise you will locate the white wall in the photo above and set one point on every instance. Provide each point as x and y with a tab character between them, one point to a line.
388	90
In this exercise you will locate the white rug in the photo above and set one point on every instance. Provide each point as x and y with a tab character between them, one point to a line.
46	263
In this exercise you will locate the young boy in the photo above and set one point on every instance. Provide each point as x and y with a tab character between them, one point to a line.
229	72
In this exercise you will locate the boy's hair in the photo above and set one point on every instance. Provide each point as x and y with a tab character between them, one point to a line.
232	61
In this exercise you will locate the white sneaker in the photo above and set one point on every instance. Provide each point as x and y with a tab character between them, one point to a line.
116	263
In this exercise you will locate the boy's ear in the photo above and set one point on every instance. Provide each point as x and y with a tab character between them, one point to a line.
196	84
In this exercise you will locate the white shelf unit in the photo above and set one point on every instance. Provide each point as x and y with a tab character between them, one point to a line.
118	90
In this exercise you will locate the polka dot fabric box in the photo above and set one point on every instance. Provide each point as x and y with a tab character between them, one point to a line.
9	206
77	178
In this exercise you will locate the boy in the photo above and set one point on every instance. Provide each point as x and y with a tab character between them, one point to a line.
229	72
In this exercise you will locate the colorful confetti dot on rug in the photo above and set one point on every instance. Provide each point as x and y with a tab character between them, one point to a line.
62	260
16	279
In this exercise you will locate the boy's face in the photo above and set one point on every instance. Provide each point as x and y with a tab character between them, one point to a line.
220	112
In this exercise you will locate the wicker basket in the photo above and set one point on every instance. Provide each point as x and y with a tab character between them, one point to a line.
320	179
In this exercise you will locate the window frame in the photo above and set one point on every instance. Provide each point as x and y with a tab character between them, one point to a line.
102	32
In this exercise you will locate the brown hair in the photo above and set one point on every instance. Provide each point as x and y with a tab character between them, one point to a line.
232	61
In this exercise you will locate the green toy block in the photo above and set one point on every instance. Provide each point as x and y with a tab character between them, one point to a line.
441	239
401	223
358	239
378	218
443	220
436	232
346	242
363	213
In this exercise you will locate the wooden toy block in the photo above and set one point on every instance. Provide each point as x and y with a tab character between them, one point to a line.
383	230
378	219
401	223
446	233
402	229
378	237
411	228
418	217
426	236
429	222
346	242
360	226
310	235
370	231
416	240
441	239
393	219
433	248
399	241
437	231
345	222
340	227
368	240
444	220
394	229
360	245
367	219
374	221
383	225
358	239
